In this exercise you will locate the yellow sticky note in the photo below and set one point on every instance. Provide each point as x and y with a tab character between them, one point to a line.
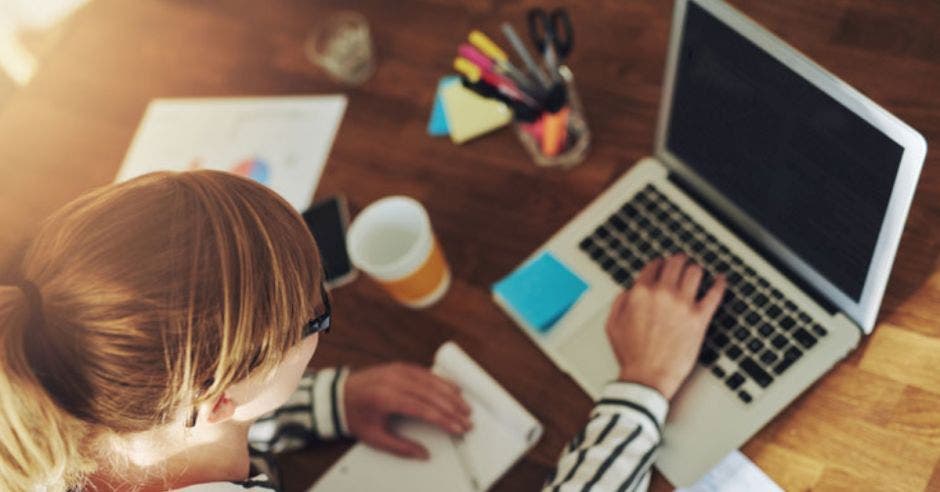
470	115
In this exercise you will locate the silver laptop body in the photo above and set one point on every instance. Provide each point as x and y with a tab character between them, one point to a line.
672	202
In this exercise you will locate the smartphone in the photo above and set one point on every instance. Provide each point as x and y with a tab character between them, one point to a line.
327	220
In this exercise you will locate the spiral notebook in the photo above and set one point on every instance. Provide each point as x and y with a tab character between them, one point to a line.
503	431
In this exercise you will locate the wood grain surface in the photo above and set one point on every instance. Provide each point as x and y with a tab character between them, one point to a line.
872	424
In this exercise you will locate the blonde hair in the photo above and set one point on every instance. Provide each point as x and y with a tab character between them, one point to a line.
156	293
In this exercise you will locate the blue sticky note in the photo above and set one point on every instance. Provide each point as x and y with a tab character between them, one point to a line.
541	291
437	125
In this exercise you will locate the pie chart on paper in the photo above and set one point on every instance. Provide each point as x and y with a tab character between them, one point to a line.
253	168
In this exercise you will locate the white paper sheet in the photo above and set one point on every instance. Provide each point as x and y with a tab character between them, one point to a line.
735	473
364	469
503	430
282	142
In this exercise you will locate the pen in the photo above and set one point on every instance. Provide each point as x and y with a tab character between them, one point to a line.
524	54
489	48
462	65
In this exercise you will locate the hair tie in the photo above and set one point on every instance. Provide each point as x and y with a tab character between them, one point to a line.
34	299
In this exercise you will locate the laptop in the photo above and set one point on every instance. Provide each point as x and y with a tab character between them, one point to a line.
773	172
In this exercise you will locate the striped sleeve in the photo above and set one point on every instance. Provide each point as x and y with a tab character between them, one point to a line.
616	448
313	413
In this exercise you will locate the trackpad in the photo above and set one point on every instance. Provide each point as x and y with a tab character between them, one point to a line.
587	351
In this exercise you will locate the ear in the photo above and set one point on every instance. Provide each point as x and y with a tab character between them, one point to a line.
222	409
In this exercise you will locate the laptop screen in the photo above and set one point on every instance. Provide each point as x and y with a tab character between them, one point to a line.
800	164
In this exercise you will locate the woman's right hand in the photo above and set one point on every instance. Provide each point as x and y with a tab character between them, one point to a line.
375	395
656	328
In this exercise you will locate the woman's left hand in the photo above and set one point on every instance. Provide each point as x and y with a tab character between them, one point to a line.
376	394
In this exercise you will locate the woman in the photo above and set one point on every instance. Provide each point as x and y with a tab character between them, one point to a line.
159	332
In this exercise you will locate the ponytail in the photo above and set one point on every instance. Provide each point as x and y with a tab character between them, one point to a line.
39	443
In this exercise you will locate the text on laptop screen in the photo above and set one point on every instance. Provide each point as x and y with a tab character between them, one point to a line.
802	165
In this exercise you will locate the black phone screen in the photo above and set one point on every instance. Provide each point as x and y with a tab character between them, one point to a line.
326	220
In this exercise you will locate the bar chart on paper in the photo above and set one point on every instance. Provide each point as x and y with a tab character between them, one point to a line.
281	142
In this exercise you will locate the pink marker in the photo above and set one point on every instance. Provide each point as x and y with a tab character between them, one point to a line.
479	59
505	85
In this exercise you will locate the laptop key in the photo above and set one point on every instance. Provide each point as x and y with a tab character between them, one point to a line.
719	372
707	356
629	210
734	381
789	357
596	253
779	341
720	340
607	262
819	330
601	232
773	311
586	244
782	366
755	345
618	223
620	275
806	339
787	323
765	329
768	357
733	352
741	333
760	300
738	307
804	318
756	372
747	289
744	396
792	353
624	252
752	318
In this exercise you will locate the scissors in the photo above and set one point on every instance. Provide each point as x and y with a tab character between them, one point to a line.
551	34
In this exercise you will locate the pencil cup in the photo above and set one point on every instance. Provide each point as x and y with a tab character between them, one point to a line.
559	139
392	241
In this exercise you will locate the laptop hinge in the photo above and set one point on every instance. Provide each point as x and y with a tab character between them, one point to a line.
811	291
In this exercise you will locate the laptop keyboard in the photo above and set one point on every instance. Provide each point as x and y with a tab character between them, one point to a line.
756	333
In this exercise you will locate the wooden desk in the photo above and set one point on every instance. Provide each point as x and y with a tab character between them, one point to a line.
874	423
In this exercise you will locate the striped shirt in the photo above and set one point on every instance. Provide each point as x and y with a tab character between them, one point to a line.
613	452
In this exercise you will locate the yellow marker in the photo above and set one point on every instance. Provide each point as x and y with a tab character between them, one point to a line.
487	46
467	68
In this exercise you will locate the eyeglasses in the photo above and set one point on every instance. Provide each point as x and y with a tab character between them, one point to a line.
320	324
